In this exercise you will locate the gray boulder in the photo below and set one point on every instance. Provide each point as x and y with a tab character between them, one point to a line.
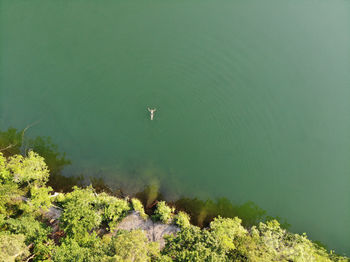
155	231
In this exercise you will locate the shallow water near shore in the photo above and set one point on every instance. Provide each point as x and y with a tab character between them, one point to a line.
252	98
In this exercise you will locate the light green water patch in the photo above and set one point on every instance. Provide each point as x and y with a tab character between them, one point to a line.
252	97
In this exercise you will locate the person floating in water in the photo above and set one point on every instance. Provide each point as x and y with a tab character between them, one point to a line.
152	112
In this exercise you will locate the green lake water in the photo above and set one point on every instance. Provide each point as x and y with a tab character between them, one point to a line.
252	98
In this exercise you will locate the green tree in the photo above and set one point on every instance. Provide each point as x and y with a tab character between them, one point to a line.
112	209
273	243
70	251
79	216
10	198
35	232
194	244
229	232
137	205
134	246
5	174
92	249
39	199
12	247
28	171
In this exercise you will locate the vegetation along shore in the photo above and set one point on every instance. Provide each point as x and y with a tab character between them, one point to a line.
83	225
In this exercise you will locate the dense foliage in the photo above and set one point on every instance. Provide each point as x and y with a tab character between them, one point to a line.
85	227
163	212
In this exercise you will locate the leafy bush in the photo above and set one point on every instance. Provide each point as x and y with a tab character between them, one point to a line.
228	231
10	198
113	209
134	246
70	251
194	244
39	199
79	216
92	250
42	251
30	170
12	247
22	177
33	230
4	172
182	219
137	205
277	244
163	212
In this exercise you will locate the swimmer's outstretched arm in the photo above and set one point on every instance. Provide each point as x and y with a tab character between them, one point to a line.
149	109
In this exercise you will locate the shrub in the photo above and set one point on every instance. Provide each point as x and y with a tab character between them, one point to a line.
12	247
10	198
79	216
39	199
276	244
137	205
4	172
70	251
59	199
163	212
182	219
92	249
134	246
228	231
112	208
34	230
30	170
194	244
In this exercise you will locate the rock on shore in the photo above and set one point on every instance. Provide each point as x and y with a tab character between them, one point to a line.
155	231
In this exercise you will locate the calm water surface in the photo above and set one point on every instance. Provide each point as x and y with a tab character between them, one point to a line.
252	98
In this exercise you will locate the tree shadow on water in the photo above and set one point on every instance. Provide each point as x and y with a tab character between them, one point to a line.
202	212
13	141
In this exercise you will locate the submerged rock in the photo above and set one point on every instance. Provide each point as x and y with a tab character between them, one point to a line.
155	231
